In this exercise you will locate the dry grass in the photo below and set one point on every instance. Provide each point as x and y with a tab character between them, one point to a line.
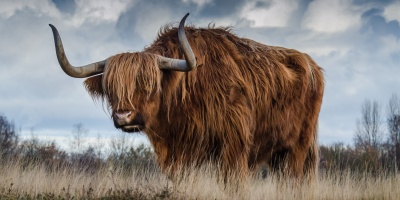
37	182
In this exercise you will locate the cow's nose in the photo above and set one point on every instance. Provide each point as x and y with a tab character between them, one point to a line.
123	116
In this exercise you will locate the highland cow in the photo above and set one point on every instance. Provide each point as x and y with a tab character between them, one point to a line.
205	95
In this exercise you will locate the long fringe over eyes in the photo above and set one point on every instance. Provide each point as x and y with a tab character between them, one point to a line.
129	76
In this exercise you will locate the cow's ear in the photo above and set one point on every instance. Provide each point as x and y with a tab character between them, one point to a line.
94	86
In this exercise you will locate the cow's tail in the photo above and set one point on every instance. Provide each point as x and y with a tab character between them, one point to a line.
312	159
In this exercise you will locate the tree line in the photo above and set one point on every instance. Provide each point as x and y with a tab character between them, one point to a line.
90	158
376	142
376	147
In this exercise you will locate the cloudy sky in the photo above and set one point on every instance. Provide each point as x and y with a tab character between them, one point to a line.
357	42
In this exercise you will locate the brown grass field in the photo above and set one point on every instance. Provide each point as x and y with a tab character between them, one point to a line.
38	182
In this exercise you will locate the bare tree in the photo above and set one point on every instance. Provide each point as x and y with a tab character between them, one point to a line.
79	132
393	122
368	133
120	144
99	146
8	137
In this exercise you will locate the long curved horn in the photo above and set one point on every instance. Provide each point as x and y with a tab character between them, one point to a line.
77	72
177	64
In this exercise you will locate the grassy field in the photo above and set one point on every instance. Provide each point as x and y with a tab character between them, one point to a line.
38	182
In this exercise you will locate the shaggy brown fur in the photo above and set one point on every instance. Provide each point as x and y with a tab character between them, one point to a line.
244	105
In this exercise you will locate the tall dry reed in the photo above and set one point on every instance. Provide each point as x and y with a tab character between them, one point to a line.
38	181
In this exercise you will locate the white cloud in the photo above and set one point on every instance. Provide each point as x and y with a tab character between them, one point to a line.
323	50
98	11
198	2
9	7
392	11
331	16
277	14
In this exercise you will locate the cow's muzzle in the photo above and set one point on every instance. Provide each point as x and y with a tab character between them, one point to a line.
128	121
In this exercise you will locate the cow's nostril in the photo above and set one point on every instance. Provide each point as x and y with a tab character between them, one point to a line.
123	115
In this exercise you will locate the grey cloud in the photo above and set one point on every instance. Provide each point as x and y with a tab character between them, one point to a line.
373	2
66	6
297	17
264	4
126	24
375	22
220	8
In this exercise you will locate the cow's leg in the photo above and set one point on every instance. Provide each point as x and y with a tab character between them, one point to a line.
235	162
295	163
288	162
312	159
277	161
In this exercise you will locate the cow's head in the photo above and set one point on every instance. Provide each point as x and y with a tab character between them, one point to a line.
129	82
